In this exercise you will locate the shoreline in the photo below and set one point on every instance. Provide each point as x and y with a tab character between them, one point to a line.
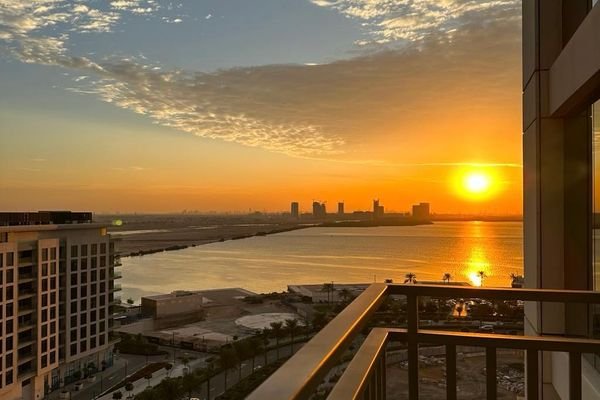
141	253
173	245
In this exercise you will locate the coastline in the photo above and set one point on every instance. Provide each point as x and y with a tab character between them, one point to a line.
140	235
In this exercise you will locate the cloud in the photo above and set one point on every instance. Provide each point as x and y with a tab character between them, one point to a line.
462	60
411	20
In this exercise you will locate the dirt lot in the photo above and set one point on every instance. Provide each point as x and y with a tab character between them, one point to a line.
470	376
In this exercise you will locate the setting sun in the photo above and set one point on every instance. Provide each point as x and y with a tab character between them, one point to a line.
477	182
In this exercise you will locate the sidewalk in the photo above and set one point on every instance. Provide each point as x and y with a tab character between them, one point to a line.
141	384
105	379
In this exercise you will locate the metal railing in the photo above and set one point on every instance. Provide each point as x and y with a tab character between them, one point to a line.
364	378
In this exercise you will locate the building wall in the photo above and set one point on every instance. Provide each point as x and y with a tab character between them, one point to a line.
557	179
36	271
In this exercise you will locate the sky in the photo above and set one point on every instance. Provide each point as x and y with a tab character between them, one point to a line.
237	105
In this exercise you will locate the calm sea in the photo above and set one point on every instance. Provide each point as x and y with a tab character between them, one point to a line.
317	255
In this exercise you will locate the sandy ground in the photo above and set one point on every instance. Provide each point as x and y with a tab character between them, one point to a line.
156	232
470	376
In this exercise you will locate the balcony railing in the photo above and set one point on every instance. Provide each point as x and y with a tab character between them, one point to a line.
365	376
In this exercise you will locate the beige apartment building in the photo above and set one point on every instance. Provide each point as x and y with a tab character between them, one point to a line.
57	272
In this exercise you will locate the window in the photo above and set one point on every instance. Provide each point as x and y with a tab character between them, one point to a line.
74	348
44	285
44	254
73	279
84	263
102	248
84	250
53	253
44	269
10	278
73	265
94	249
74	251
10	259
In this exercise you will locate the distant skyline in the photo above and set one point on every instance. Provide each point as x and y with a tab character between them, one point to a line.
160	106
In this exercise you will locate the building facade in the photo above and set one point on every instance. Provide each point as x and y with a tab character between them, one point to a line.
295	210
561	88
421	211
57	279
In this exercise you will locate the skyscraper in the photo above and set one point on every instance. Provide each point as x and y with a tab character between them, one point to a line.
341	208
420	211
57	271
295	210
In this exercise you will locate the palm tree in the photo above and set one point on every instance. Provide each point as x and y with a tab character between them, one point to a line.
242	351
265	341
189	383
227	359
276	327
209	372
169	367
410	278
482	275
446	278
328	287
345	295
292	326
459	309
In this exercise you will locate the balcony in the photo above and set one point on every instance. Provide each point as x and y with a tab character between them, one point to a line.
116	288
116	275
365	375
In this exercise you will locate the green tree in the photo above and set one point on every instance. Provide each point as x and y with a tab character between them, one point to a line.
277	328
265	341
242	351
227	360
189	383
129	387
328	287
169	367
319	320
117	395
291	325
346	295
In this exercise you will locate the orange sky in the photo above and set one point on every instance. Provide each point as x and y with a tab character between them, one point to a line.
395	118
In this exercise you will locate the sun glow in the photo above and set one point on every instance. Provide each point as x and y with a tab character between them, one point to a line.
476	184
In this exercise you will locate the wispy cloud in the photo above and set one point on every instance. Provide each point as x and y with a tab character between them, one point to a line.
412	20
312	110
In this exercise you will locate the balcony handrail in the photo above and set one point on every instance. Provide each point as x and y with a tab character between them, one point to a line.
361	370
301	375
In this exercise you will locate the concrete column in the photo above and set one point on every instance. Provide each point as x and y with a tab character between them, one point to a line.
557	177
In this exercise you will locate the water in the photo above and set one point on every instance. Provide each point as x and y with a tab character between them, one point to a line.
317	255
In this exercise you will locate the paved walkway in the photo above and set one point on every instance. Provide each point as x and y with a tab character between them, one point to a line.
105	379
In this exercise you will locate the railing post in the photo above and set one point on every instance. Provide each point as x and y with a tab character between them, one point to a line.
450	372
533	389
490	372
574	376
383	380
413	346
